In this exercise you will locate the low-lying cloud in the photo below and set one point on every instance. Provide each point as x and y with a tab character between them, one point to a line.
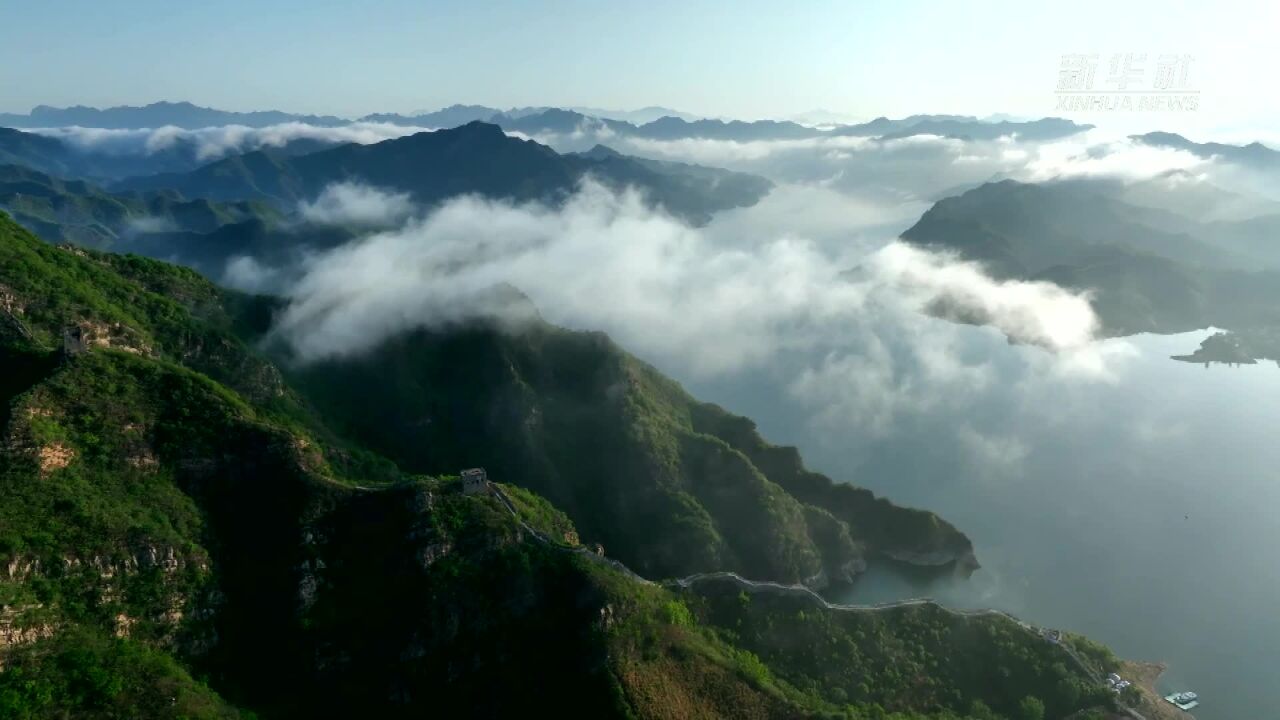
356	204
212	143
856	347
1036	312
919	167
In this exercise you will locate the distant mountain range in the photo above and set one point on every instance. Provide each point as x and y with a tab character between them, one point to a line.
160	114
247	204
1253	155
190	116
564	122
658	123
474	158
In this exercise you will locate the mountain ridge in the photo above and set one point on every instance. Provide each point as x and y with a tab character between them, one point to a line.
174	510
474	158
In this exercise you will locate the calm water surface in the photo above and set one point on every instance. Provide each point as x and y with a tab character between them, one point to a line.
1143	512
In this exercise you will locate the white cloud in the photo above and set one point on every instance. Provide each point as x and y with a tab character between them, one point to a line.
1035	312
993	454
923	167
1092	154
150	224
216	142
740	296
246	273
604	260
354	203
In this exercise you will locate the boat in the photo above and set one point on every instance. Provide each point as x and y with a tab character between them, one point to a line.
1184	700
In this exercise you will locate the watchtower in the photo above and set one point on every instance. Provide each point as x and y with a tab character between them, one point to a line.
73	341
474	481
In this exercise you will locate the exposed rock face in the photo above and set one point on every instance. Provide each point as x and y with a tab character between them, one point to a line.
89	334
11	634
20	568
111	571
124	624
16	630
434	552
54	456
10	303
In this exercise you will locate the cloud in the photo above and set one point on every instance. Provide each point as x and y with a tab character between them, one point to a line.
1094	155
741	297
246	273
603	260
354	203
150	224
993	455
1034	312
920	167
215	142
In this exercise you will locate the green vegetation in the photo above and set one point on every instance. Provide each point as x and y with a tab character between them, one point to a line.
922	659
668	485
80	674
82	213
182	535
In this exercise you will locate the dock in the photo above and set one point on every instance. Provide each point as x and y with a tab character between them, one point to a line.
1176	701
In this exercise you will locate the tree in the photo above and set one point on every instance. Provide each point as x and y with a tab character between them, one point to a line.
1031	709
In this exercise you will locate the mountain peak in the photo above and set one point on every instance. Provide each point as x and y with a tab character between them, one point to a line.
601	152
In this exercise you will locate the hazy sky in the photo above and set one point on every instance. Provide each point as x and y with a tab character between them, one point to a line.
746	58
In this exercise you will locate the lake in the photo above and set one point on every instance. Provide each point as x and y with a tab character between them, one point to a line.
1142	510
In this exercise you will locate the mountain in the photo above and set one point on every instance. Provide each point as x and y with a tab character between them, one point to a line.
1255	155
456	115
1192	196
1148	270
182	534
963	127
63	158
670	486
563	122
202	234
449	117
560	122
655	123
1040	130
156	115
38	152
76	211
474	158
674	128
678	186
635	117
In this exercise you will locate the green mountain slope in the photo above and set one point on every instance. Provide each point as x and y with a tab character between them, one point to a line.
669	485
80	212
180	536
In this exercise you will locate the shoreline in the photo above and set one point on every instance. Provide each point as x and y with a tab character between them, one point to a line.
1144	675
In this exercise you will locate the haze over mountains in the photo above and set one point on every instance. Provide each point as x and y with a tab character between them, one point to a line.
651	122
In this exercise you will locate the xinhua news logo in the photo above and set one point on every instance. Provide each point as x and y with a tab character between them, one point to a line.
1126	82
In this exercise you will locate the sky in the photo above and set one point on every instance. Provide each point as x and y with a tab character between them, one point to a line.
746	59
